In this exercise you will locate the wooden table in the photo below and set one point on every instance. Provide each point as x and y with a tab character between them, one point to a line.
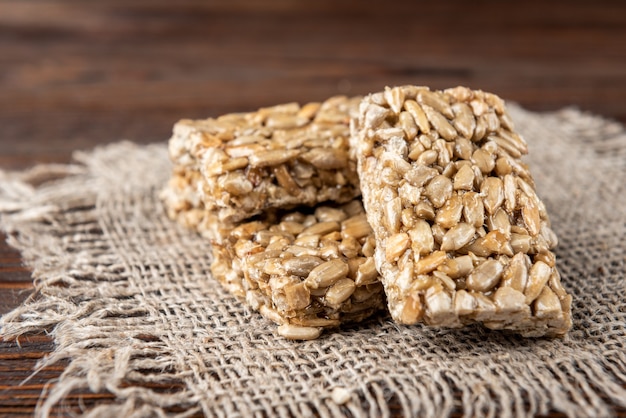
75	74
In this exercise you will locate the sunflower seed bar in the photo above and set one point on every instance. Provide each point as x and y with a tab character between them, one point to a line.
276	157
461	235
304	271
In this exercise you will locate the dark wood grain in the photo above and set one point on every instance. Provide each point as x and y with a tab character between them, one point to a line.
76	74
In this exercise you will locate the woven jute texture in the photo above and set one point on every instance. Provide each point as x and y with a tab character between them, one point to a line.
128	297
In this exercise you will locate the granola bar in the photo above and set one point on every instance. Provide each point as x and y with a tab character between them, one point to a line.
461	235
276	157
306	271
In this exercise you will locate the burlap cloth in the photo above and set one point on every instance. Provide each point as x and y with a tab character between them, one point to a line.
129	299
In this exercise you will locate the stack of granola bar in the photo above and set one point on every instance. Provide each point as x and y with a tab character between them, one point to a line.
450	230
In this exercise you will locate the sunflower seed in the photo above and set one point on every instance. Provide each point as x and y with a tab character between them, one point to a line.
339	292
421	120
436	101
408	125
515	274
395	98
440	123
295	332
301	265
547	305
375	115
473	209
483	160
464	121
486	276
464	178
438	190
421	236
396	245
537	278
493	191
450	214
457	237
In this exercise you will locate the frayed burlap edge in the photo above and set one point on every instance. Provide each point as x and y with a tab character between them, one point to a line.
127	297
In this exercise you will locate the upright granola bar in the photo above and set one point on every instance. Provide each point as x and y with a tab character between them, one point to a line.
461	235
276	157
305	271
